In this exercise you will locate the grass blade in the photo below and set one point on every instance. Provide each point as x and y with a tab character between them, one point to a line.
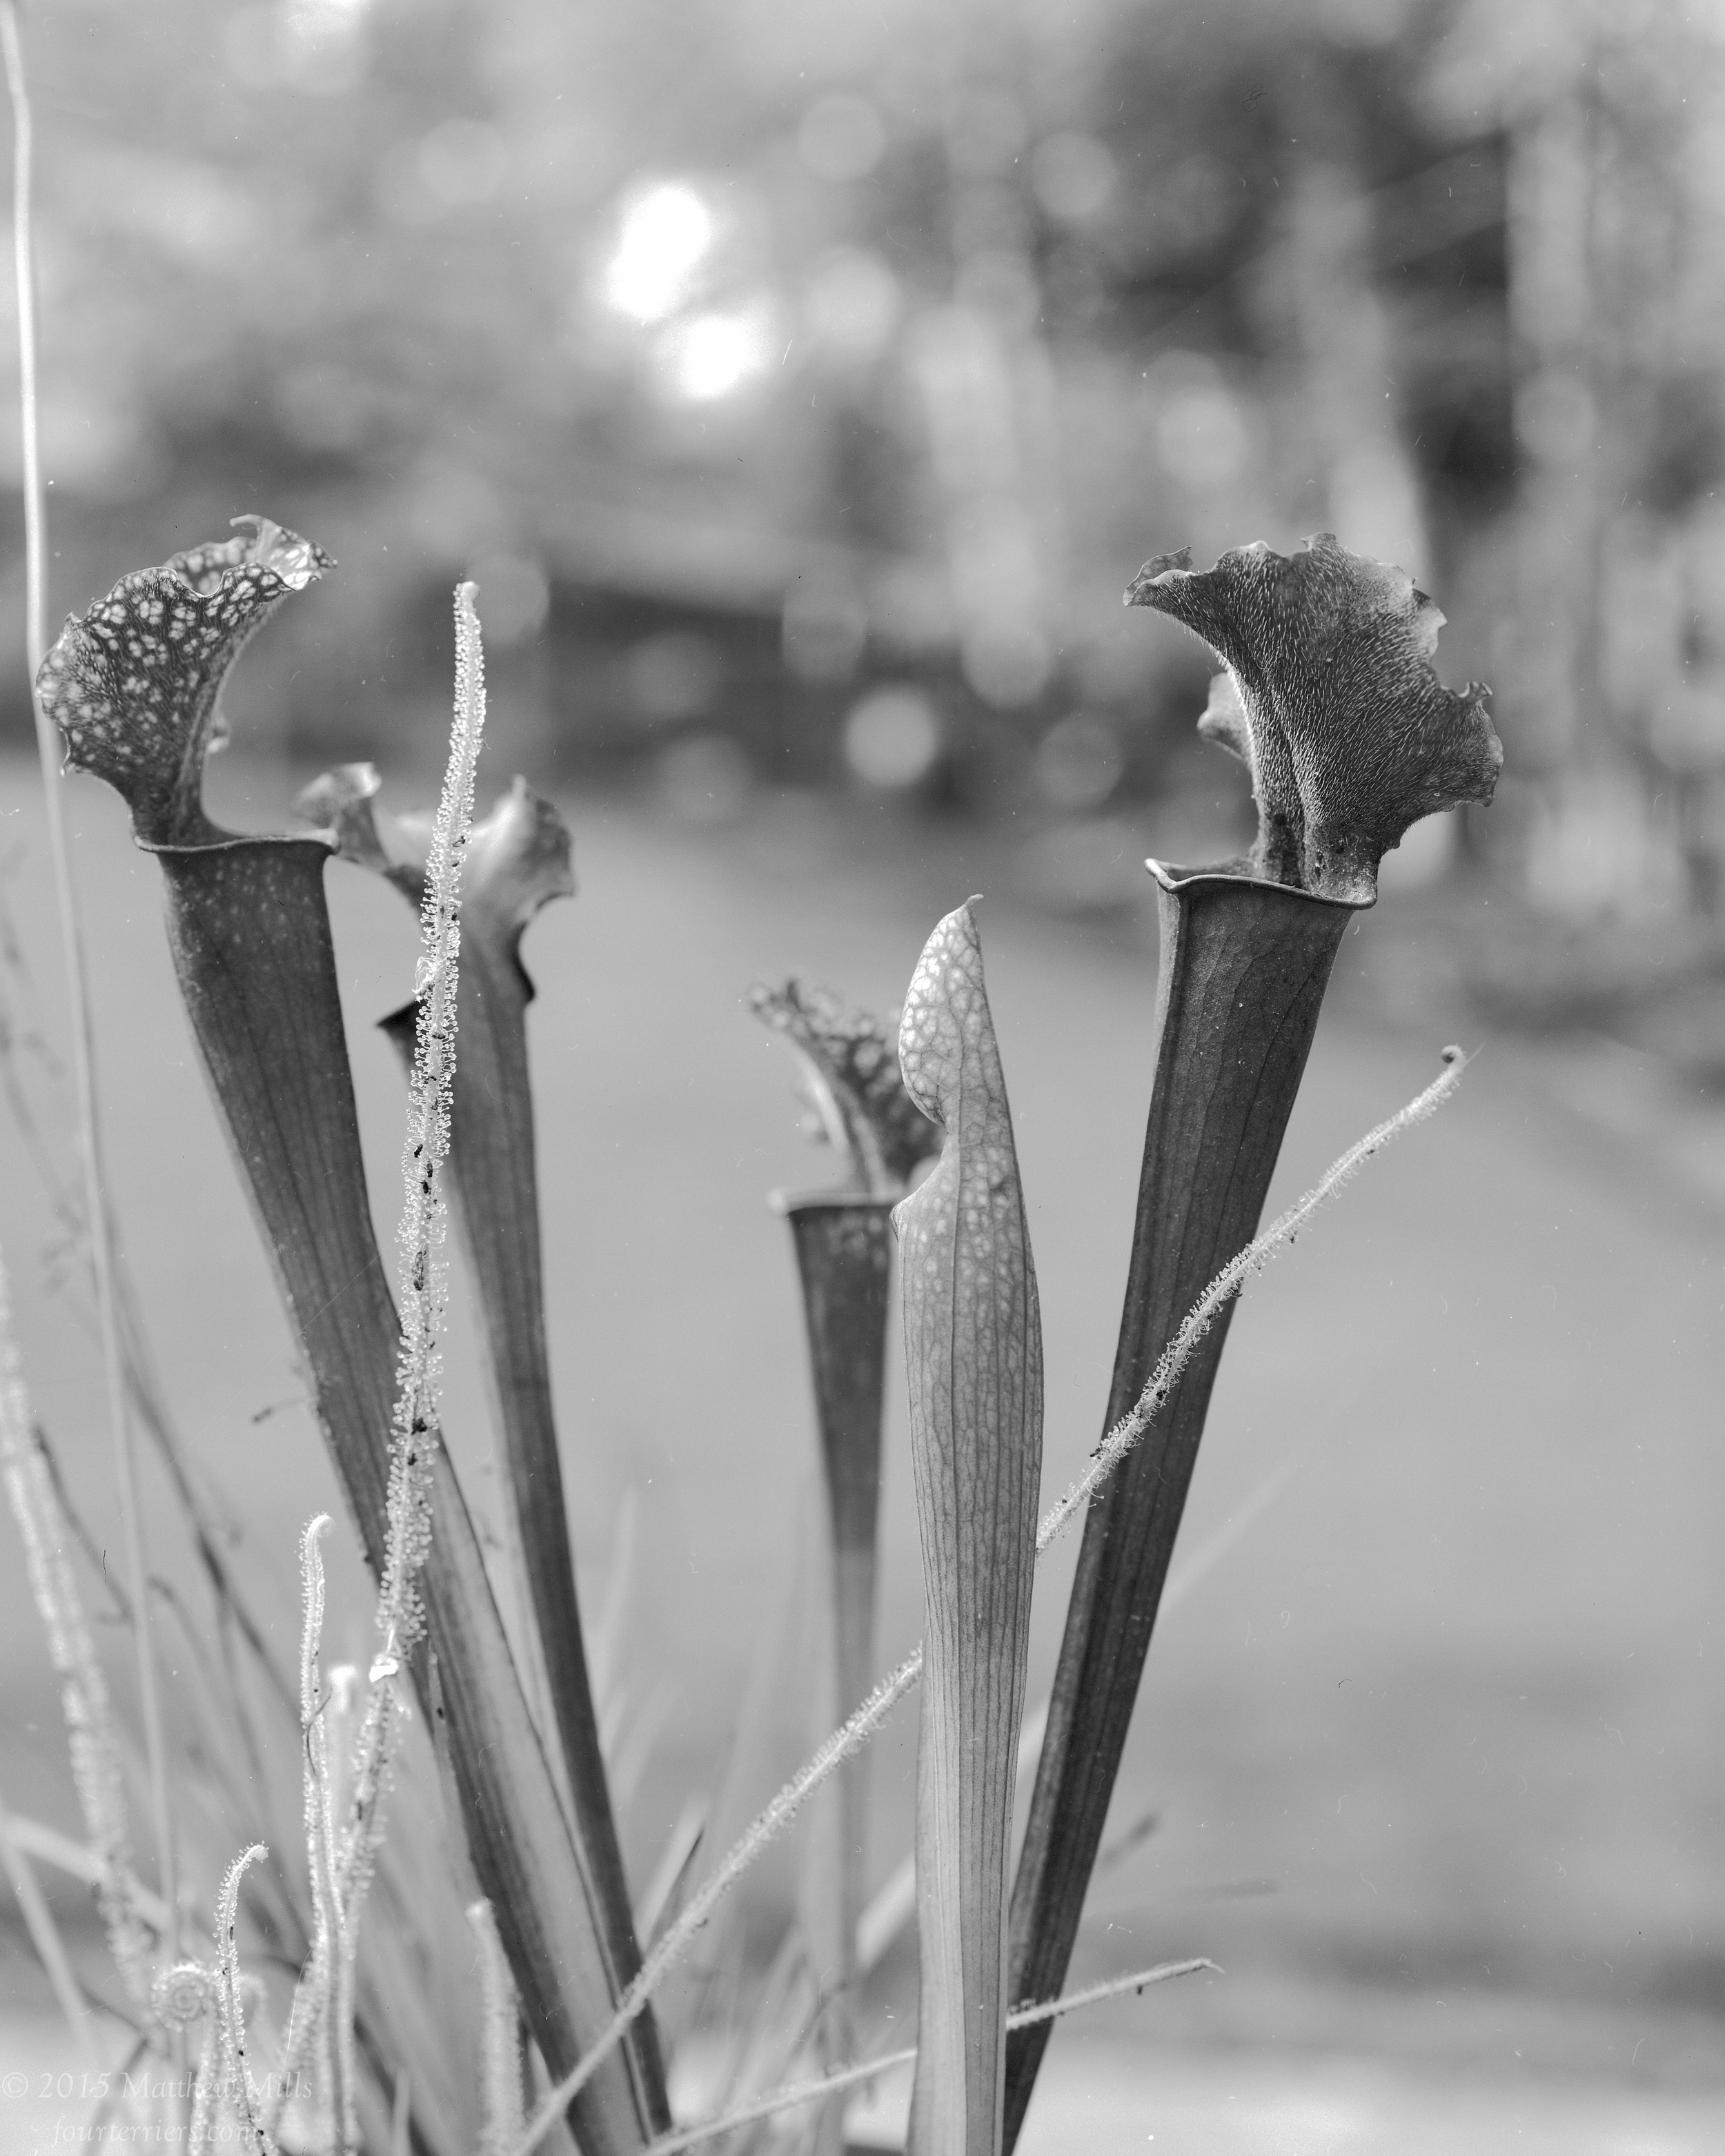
45	1937
98	1218
792	2098
91	1732
974	1348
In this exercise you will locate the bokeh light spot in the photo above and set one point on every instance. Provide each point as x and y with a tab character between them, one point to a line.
661	243
1079	762
1006	662
1200	436
892	738
713	356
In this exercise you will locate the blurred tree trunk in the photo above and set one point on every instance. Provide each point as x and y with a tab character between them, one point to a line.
1354	452
1557	689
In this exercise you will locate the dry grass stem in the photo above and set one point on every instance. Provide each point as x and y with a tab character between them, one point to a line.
45	1937
93	1743
97	1222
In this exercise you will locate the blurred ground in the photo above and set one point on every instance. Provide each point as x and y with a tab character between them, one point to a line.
1432	1745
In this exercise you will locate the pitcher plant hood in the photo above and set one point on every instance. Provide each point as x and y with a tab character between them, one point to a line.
1331	699
135	684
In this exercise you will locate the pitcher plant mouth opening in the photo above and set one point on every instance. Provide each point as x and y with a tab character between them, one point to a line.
1176	879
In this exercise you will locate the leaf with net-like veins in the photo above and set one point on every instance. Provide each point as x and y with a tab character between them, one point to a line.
973	1351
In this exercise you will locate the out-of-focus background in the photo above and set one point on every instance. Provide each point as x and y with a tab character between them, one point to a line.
802	384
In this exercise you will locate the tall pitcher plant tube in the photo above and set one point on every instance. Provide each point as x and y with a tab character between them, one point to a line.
1330	698
844	1250
518	860
133	685
843	1242
973	1353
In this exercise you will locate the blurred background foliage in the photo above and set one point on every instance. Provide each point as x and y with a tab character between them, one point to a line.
801	383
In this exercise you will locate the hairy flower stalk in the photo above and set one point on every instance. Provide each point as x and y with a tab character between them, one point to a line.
315	2020
423	1271
424	1290
499	2043
133	685
231	2003
1330	698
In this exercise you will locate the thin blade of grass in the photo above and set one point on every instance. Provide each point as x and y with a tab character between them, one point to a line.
792	2098
90	1726
45	1937
681	1847
97	1212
